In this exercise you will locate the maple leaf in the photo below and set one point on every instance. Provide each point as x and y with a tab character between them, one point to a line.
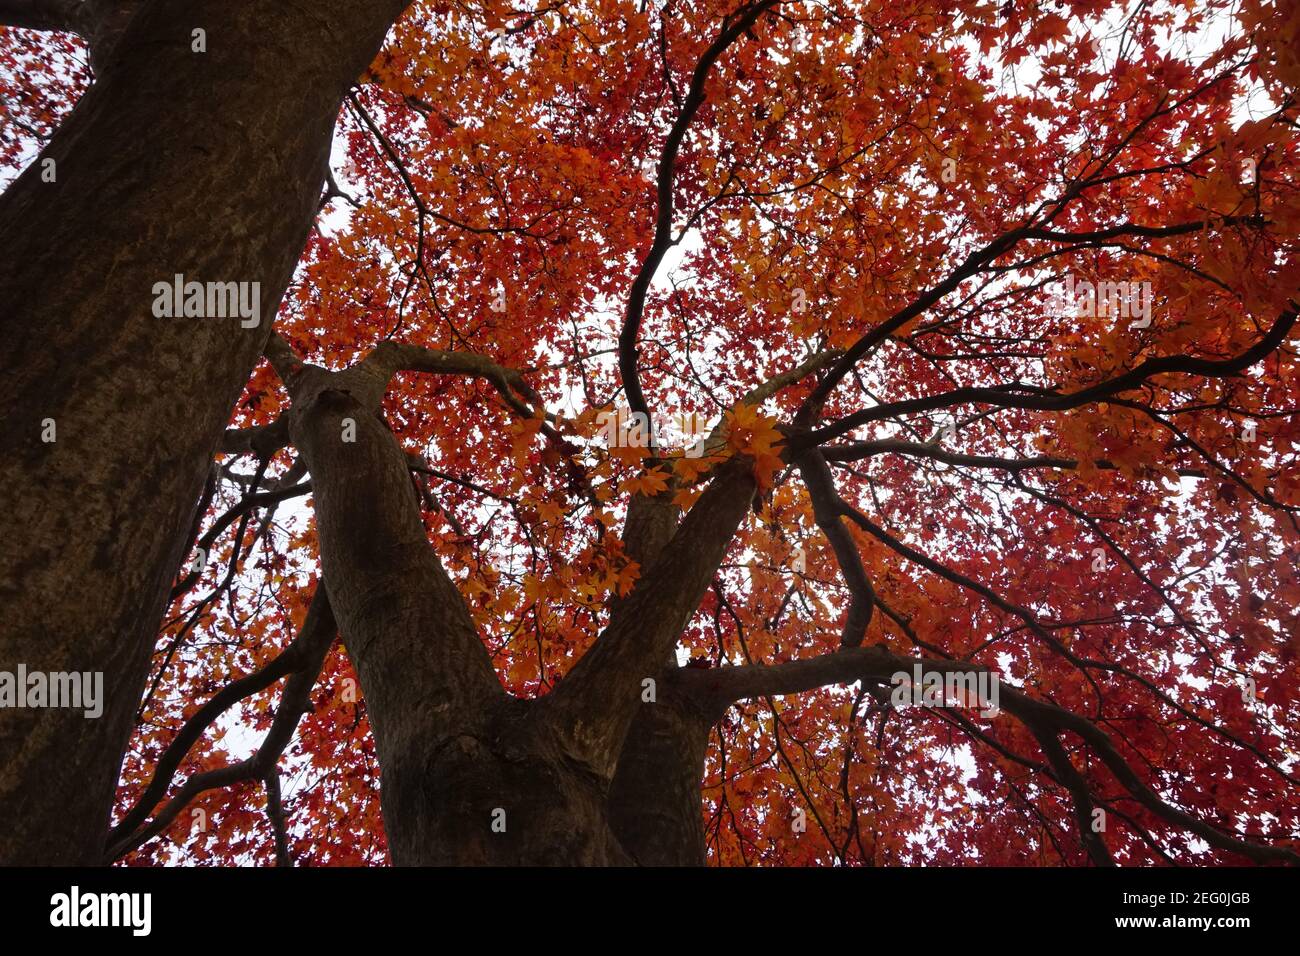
650	483
751	433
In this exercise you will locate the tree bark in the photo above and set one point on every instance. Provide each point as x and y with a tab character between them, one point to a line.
654	799
470	776
205	164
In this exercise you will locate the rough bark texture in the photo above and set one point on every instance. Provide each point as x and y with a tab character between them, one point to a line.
205	164
502	792
654	800
470	775
602	693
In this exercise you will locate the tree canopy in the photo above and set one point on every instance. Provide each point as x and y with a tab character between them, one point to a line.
983	314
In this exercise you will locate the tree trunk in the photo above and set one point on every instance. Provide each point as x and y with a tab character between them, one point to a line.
654	799
470	774
498	791
205	164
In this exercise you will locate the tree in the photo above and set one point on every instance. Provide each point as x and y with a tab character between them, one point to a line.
175	161
667	396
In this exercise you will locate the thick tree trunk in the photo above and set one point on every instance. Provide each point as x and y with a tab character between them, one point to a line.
654	799
471	775
498	791
207	164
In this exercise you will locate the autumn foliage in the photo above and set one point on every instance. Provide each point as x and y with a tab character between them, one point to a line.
870	208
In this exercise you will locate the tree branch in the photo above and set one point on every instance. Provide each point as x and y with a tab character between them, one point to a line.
827	509
856	451
302	661
596	702
717	689
971	266
98	22
1044	400
663	241
60	15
